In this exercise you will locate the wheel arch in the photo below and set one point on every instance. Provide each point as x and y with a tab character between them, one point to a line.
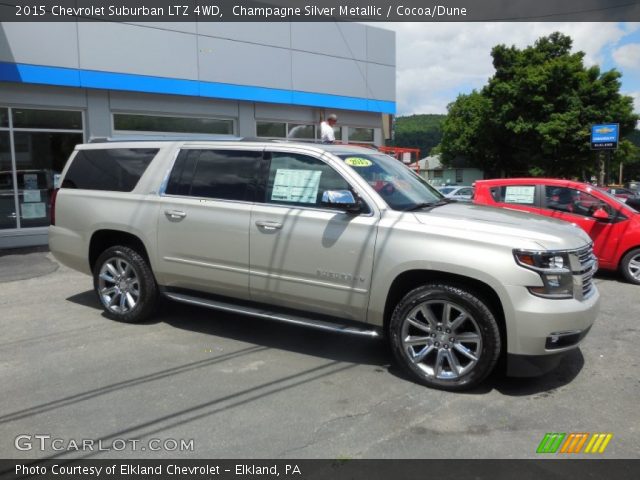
621	267
624	254
410	279
105	238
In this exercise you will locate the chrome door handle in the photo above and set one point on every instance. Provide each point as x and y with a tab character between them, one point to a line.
175	214
268	225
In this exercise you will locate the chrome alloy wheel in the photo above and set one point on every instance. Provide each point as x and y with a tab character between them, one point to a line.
634	267
118	285
442	339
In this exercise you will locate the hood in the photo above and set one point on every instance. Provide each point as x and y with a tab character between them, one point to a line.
510	227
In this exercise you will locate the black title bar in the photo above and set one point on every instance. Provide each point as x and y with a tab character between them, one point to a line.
320	469
319	10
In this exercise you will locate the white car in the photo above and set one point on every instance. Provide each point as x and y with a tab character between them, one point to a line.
462	193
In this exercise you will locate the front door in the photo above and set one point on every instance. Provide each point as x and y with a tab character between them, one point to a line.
576	206
304	255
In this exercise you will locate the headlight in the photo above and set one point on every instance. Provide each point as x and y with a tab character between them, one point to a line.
554	270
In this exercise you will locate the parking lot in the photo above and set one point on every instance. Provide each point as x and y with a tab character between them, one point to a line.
237	387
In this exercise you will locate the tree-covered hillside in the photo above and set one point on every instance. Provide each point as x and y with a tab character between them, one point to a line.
418	131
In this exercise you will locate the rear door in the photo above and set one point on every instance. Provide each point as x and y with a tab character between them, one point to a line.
203	224
304	255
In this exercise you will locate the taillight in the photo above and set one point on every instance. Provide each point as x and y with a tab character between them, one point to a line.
52	209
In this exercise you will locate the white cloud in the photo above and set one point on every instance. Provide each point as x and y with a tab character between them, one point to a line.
636	101
437	61
628	56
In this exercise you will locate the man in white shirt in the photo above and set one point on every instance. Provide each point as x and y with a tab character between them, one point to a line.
326	129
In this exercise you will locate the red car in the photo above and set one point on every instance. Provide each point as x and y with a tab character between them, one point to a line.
612	224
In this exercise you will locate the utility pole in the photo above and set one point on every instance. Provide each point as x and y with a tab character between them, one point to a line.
601	169
620	174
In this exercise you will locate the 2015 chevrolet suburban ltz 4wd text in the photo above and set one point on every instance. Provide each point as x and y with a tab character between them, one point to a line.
331	236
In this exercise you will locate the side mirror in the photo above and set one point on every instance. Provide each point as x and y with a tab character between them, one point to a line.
341	199
601	214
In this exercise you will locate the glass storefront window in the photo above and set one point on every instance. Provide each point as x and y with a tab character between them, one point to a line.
42	141
271	129
151	123
360	134
301	131
40	158
49	119
7	194
337	132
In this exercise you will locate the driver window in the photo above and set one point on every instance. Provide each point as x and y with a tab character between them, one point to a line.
574	201
299	180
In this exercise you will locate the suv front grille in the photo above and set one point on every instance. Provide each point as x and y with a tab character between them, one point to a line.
588	267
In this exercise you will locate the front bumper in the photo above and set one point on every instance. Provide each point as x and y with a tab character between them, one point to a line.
536	365
540	331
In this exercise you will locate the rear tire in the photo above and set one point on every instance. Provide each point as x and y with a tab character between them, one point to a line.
445	337
630	266
125	285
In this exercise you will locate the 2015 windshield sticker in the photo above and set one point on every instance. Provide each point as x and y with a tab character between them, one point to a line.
358	162
296	186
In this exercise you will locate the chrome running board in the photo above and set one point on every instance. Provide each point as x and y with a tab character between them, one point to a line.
364	331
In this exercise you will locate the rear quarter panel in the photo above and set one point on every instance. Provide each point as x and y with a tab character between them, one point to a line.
80	213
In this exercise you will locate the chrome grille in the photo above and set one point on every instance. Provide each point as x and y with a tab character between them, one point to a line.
587	269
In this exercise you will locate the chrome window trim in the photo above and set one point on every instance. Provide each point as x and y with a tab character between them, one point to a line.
279	205
373	208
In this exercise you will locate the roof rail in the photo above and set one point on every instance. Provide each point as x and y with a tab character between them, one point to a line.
169	138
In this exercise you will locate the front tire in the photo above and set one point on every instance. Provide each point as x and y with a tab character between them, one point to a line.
445	337
630	266
125	285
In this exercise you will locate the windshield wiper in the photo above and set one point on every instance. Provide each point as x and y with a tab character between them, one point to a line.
430	205
418	206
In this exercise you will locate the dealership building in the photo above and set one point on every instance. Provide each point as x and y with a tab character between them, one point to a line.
65	83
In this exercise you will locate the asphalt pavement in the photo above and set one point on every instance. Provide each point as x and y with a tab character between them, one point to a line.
204	384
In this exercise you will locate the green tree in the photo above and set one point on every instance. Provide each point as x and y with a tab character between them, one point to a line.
465	132
628	153
535	113
418	131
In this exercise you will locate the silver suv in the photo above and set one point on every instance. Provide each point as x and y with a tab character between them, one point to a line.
334	237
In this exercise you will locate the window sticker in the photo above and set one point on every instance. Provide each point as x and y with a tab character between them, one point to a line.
31	196
33	210
296	186
358	162
520	194
30	181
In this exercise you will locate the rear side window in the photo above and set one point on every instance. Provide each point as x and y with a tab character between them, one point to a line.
515	194
217	174
114	169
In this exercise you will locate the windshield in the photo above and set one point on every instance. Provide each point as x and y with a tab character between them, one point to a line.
400	187
621	201
446	190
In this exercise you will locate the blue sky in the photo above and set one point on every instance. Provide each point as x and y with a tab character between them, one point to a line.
437	61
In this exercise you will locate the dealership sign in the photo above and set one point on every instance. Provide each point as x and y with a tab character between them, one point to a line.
604	137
